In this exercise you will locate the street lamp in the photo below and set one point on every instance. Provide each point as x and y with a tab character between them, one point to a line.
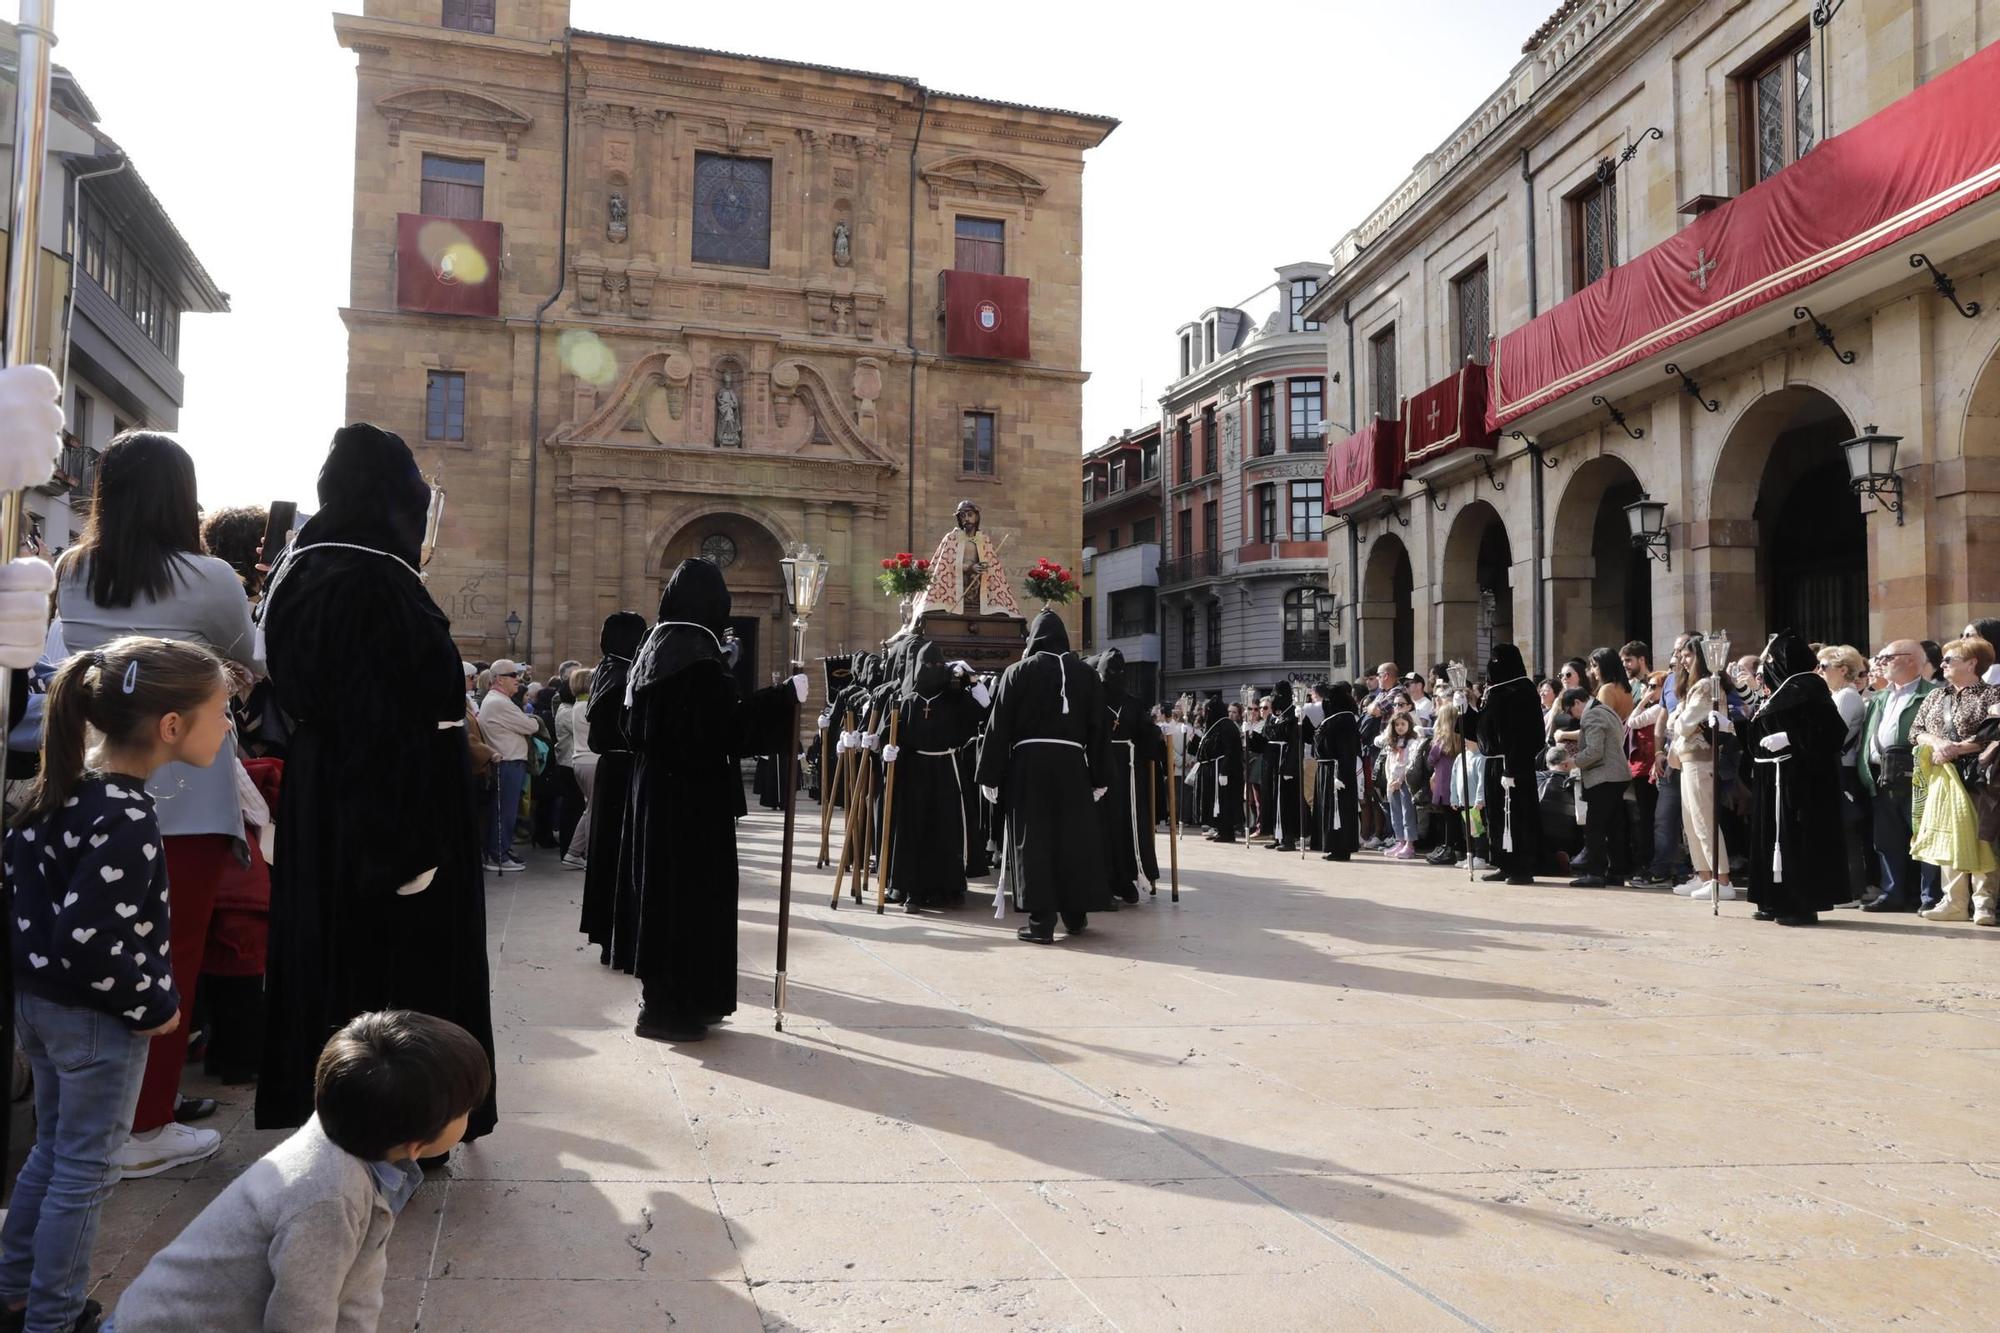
1871	469
1648	519
513	631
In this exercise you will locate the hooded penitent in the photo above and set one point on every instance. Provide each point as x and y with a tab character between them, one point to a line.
1336	744
694	611
931	834
1046	634
1786	655
1509	728
373	798
1125	815
1790	757
610	909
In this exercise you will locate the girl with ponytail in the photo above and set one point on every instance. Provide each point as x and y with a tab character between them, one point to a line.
89	942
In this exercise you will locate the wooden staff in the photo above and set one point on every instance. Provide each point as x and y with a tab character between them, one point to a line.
850	787
830	772
888	811
864	837
1153	815
1174	817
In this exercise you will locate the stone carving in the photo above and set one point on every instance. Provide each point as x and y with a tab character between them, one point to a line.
454	112
843	253
728	415
614	216
1232	435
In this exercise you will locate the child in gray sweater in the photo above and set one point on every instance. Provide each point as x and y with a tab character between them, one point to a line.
299	1241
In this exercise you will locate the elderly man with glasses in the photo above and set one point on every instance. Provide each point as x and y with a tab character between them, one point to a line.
1885	767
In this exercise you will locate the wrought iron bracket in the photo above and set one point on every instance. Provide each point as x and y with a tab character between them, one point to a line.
1396	514
1535	451
1945	286
1492	479
1823	12
1824	334
1430	494
1636	432
1693	389
1883	489
1606	168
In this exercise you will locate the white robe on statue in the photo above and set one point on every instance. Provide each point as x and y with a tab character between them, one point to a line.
949	566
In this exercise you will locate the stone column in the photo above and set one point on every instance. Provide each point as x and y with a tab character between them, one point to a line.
841	574
819	206
868	153
635	543
579	590
588	226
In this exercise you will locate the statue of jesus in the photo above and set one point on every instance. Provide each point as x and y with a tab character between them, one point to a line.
966	574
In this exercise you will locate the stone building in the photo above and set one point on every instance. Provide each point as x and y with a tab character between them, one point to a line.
636	302
1121	555
1244	551
1685	251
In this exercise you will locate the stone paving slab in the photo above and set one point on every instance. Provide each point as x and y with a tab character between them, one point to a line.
1308	1096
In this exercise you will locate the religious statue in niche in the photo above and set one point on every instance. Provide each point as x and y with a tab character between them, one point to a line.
615	213
728	415
843	244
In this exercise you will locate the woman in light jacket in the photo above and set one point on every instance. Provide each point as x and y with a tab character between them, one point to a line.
1692	751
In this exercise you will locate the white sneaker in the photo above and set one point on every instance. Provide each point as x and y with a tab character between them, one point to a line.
573	862
1687	890
1712	890
1478	865
165	1148
1371	844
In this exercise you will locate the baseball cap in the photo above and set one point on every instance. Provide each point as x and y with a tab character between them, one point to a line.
470	670
506	667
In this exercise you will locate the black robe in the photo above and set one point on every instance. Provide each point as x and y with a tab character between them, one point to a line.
610	906
690	729
1336	808
1221	756
931	838
1045	753
1124	816
1798	865
1511	734
372	797
1279	743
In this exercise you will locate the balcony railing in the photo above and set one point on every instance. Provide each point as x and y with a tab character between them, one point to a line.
1307	647
1254	552
1308	444
1183	568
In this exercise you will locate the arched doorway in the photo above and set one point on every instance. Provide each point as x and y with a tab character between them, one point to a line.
748	555
1967	585
1477	610
1600	589
1388	618
1788	540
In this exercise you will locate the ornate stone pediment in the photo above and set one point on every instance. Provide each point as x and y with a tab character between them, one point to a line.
454	111
982	178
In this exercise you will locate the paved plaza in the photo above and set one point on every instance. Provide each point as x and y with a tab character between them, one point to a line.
1308	1096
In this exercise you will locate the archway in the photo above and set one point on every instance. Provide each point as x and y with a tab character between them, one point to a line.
748	555
1477	610
1967	580
1388	618
1788	541
1600	589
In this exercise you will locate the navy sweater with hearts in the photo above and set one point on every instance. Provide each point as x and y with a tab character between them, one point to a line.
89	920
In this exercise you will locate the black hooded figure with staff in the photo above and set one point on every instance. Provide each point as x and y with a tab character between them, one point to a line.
689	728
377	900
939	711
1279	740
1044	766
610	908
1124	813
1790	758
1337	747
1220	786
1508	723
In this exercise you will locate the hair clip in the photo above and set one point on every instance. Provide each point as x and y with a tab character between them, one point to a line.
97	660
132	676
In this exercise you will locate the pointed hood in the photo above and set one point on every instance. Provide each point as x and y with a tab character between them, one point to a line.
623	632
1046	634
1111	670
1785	655
370	494
1505	664
1281	695
929	674
694	610
1339	698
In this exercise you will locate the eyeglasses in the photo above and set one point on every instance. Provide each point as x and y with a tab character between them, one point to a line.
1883	659
1960	659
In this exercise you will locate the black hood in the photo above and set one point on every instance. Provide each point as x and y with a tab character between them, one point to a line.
1281	695
623	632
696	595
370	494
1339	698
1046	634
1111	670
929	673
867	670
1505	664
694	610
1785	655
896	663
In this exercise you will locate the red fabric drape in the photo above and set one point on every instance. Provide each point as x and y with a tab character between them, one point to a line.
1448	416
1369	460
1917	161
985	315
447	266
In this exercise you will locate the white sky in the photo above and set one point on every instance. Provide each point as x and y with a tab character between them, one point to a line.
1252	137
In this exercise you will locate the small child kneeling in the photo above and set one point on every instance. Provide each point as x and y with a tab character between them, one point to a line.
300	1240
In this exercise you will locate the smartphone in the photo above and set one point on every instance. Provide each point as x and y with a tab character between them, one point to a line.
284	517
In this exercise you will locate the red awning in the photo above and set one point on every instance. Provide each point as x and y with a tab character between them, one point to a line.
1367	461
1917	161
1448	416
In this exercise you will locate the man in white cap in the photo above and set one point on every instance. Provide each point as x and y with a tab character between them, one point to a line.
507	730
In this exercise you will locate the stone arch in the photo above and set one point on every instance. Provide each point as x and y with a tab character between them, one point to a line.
755	590
1388	618
1785	539
1600	589
1476	603
1963	500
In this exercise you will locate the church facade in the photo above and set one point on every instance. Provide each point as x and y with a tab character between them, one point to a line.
632	302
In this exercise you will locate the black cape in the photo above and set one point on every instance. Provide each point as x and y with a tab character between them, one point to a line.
1045	752
931	840
1337	747
1221	756
1279	743
1125	815
372	797
1796	868
689	729
1508	723
610	906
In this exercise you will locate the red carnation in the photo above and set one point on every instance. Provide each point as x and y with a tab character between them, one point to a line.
904	558
1062	577
888	564
923	564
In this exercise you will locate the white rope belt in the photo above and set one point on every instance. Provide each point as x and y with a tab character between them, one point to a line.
939	754
1778	809
1048	740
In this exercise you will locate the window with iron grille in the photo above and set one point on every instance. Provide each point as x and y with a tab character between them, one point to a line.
452	188
1593	217
1267	419
981	245
1215	634
976	444
1132	612
1308	407
732	211
1145	531
1211	531
469	15
1267	513
1308	500
444	405
1382	373
1470	327
1778	111
1303	290
1307	637
1184	533
1208	440
1187	639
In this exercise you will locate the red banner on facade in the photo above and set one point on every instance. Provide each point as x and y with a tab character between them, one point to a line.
985	315
447	266
1449	415
1369	460
1919	160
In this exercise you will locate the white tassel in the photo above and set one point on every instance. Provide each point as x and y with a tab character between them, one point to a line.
1778	827
1062	682
1506	817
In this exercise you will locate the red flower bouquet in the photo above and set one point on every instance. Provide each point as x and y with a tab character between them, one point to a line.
1051	583
904	575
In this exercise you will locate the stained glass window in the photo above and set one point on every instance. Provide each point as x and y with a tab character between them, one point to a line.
1802	98
1382	372
1594	218
1770	121
1779	124
732	210
1469	301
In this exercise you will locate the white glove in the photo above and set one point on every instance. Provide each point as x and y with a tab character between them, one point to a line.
1097	793
1776	741
889	753
801	684
980	694
872	741
31	426
963	666
419	884
25	586
844	744
1221	781
850	740
992	794
826	718
1508	783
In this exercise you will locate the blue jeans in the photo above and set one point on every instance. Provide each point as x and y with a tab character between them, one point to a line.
88	1067
510	776
1670	858
1903	879
1403	815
